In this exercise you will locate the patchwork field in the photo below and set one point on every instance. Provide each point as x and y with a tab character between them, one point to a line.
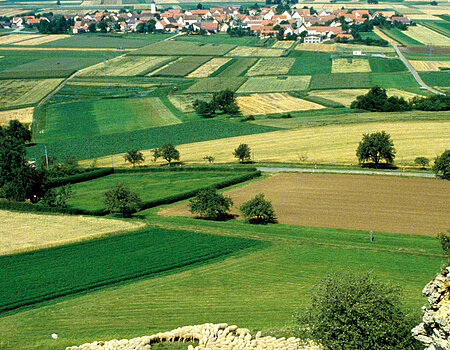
41	40
25	92
411	139
426	35
25	231
208	68
426	66
400	36
238	67
245	51
215	84
347	96
23	115
14	38
341	81
345	65
284	44
99	117
184	102
439	79
273	103
271	66
183	48
275	84
182	66
310	63
343	48
387	204
125	66
395	81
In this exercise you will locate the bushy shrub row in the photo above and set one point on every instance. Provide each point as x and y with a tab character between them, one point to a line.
38	208
182	168
81	177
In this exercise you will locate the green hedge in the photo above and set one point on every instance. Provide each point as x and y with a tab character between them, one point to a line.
37	208
85	176
181	168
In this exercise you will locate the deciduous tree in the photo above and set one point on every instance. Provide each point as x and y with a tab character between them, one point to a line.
258	210
210	204
442	164
375	147
167	152
134	157
242	153
121	199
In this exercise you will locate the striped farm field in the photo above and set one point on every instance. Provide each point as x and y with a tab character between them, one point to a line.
316	47
271	66
23	115
19	92
435	66
238	67
25	231
181	66
184	102
125	66
275	84
427	36
42	40
347	96
343	48
215	84
283	44
355	65
246	51
15	38
340	81
273	103
411	139
183	48
209	67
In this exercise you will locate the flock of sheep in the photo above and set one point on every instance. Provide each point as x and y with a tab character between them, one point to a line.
210	336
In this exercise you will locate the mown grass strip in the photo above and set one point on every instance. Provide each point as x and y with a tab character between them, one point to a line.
106	261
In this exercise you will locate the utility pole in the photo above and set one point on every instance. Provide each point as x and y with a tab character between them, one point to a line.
429	62
46	156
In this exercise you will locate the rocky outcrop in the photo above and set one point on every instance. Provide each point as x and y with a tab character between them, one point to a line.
434	331
210	336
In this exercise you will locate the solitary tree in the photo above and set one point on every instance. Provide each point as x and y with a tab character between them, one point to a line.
442	164
258	210
242	153
167	152
422	161
375	147
134	157
210	204
355	311
121	199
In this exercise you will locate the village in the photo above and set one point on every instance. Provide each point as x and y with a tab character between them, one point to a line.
281	21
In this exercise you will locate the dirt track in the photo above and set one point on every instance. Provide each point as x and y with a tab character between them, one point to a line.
379	203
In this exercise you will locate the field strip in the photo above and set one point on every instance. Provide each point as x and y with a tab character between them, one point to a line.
209	67
425	65
42	39
25	231
15	38
275	84
17	92
271	66
246	51
273	103
384	36
348	65
284	44
23	115
427	36
64	49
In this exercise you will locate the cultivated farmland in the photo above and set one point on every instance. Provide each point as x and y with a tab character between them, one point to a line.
24	231
208	68
271	66
343	48
215	84
275	84
340	80
25	92
246	51
42	40
126	66
361	202
426	66
182	66
14	38
23	115
355	65
284	44
183	48
426	35
273	103
238	67
184	102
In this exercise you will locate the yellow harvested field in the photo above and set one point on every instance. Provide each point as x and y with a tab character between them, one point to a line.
185	102
271	66
273	103
331	144
108	83
347	96
343	48
25	231
284	44
425	65
42	40
355	65
16	92
246	51
384	36
427	36
14	38
316	47
208	68
124	66
423	17
23	115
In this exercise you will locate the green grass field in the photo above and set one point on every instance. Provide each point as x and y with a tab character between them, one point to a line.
221	39
182	66
106	41
271	66
150	186
438	26
398	35
183	48
258	289
215	84
436	78
237	67
386	65
275	84
100	117
309	63
102	145
106	261
340	81
397	81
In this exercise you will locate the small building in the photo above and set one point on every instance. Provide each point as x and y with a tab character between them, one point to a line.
312	39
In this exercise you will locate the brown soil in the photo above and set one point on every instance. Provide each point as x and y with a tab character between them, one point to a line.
441	50
378	203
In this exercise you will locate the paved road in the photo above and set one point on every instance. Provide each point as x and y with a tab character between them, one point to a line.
414	73
343	171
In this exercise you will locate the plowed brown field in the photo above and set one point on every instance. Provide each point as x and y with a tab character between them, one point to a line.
378	203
